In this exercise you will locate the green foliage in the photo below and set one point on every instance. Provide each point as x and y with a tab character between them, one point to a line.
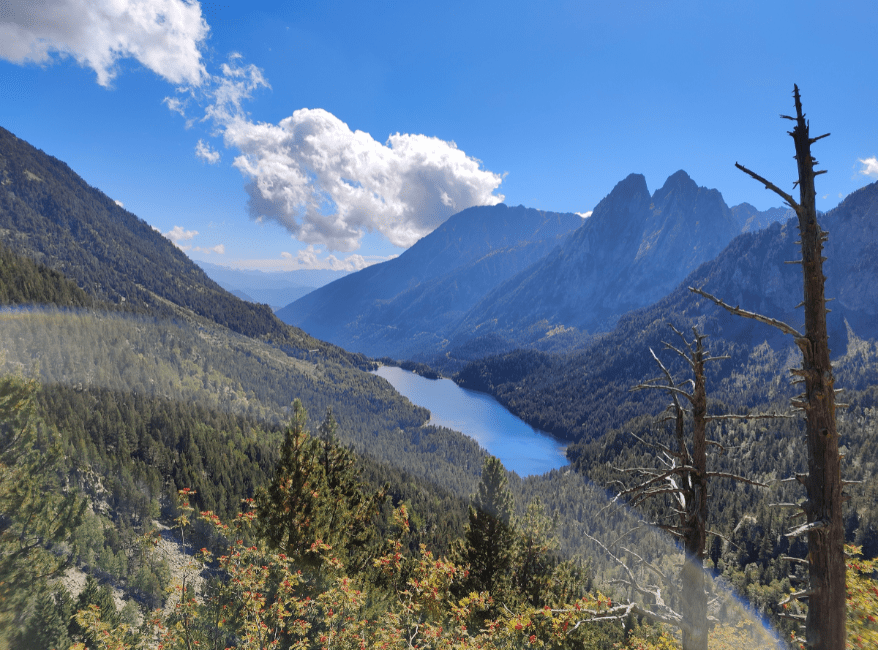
316	497
540	576
24	282
489	541
38	511
47	625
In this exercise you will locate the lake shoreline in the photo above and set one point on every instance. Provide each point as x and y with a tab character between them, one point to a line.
521	447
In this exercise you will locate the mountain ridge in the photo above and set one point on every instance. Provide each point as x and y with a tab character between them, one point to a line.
584	393
362	310
632	250
51	215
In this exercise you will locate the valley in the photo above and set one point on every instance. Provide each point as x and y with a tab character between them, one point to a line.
153	379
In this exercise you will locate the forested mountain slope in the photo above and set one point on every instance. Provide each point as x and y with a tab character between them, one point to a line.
50	214
581	395
400	306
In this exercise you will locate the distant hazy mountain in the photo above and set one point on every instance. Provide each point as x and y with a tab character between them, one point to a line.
275	289
749	219
404	305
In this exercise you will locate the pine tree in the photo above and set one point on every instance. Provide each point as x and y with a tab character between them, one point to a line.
539	576
489	542
38	516
316	497
94	594
47	626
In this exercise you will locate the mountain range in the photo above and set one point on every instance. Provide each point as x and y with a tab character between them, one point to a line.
275	288
405	305
582	394
517	284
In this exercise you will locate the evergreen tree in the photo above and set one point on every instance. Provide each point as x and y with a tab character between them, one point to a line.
489	542
38	516
48	624
539	575
94	594
316	497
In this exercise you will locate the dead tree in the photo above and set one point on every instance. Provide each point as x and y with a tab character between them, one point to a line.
826	592
685	478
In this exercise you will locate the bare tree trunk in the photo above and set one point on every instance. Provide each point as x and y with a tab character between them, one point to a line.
825	625
694	600
826	593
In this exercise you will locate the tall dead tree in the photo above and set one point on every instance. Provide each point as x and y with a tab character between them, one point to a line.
685	478
826	592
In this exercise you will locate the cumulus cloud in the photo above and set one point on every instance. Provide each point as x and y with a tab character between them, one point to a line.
584	215
328	185
207	153
178	234
310	258
219	249
119	203
163	35
870	166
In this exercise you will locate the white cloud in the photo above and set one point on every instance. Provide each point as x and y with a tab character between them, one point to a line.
229	89
309	258
870	166
163	35
178	234
119	203
328	185
207	153
584	215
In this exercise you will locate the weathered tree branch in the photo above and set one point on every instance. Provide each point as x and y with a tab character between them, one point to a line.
783	327
735	477
771	186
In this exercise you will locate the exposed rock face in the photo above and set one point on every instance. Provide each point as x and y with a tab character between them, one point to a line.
634	249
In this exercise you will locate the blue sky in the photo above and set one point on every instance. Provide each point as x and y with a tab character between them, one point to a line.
281	135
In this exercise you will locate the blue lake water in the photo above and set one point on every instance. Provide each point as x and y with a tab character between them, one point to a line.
519	446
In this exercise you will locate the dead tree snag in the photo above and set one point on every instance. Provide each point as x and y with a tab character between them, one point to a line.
685	478
826	593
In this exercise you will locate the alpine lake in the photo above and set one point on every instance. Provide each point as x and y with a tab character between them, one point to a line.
520	447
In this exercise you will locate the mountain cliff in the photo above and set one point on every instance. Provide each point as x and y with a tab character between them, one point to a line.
634	249
583	394
400	306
